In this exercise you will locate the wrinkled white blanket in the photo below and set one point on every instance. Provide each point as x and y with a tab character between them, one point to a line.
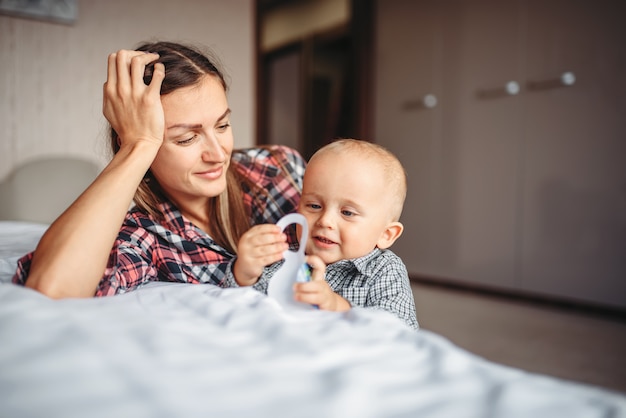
177	350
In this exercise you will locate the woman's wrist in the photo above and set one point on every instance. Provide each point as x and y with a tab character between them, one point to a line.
143	149
241	278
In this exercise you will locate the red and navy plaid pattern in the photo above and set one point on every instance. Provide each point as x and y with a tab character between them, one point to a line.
174	250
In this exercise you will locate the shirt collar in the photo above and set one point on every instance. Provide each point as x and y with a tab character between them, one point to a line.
360	263
174	221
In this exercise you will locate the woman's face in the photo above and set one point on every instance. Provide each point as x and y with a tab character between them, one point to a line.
191	164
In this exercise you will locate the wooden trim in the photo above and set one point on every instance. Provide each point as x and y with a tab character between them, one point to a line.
259	72
363	34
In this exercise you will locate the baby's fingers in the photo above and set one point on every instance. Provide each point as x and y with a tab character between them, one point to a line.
318	267
266	234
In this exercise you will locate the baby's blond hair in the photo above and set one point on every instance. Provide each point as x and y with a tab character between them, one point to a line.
390	165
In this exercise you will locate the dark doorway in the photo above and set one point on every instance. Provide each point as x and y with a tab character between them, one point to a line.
312	91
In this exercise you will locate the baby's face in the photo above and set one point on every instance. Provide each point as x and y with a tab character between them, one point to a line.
346	204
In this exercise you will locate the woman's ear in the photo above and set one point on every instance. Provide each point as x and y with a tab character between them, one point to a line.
391	233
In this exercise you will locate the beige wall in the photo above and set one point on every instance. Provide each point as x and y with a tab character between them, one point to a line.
51	75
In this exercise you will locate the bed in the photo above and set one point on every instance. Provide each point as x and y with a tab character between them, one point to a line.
176	350
41	188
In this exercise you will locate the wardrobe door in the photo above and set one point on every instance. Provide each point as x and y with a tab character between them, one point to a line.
462	155
482	134
408	117
574	195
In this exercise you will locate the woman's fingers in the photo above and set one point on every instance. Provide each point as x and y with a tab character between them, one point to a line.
133	109
111	69
158	76
126	69
131	66
138	65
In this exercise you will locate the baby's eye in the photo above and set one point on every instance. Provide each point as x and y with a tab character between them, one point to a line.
347	213
314	206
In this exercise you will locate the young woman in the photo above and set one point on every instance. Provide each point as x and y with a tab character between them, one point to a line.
195	197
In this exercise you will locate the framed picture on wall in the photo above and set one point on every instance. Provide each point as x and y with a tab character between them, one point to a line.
58	11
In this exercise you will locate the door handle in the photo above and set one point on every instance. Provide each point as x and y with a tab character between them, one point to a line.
428	101
511	88
566	79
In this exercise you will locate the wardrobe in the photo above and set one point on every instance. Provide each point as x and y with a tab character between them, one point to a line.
510	119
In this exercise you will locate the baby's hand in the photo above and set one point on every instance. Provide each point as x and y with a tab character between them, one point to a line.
260	246
317	291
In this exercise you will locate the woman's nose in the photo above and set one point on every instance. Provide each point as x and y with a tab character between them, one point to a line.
212	150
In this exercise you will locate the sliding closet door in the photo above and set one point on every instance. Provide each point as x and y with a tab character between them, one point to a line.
517	177
484	133
409	119
574	211
462	154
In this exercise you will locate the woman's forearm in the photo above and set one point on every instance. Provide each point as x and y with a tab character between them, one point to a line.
72	255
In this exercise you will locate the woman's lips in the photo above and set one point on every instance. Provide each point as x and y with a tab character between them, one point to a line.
212	174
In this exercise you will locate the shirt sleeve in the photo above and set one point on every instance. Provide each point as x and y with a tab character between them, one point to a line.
284	189
261	284
23	268
295	165
391	290
129	267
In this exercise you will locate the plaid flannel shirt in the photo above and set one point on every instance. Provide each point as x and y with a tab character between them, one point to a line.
174	250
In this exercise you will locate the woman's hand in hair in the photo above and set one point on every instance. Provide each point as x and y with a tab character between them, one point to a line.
133	108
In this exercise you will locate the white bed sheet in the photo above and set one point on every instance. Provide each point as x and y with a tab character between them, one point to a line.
18	238
177	350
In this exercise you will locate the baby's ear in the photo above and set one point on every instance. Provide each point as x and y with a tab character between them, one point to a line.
391	233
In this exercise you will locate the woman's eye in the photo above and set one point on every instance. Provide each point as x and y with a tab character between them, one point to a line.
186	141
223	127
